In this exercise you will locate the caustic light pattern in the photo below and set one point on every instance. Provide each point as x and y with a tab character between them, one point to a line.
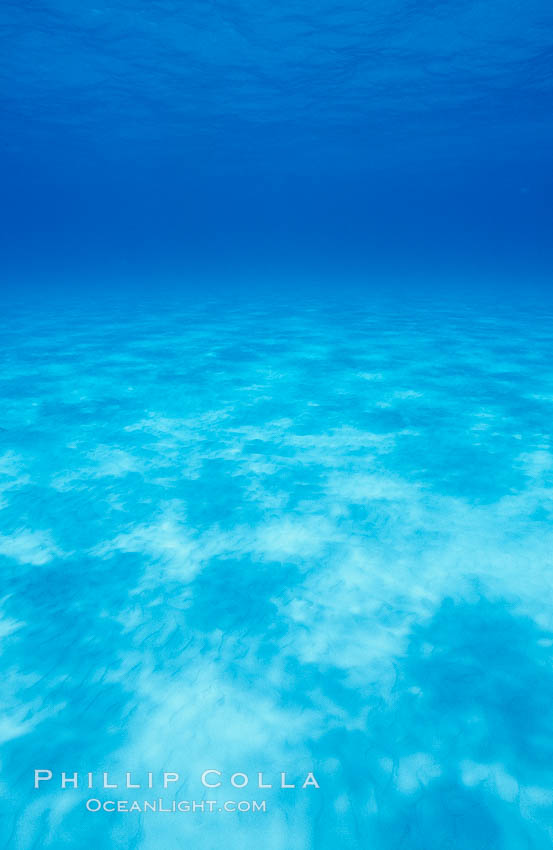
280	537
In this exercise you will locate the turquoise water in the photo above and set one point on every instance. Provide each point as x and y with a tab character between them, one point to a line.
279	534
276	472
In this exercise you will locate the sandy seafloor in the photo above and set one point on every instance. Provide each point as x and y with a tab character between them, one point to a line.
280	535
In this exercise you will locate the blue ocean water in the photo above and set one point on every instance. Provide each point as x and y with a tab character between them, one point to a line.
143	141
276	464
253	535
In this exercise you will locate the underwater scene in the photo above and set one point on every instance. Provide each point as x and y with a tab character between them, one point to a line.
276	445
